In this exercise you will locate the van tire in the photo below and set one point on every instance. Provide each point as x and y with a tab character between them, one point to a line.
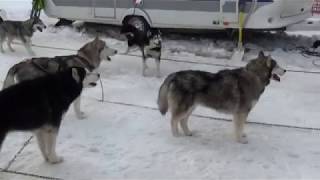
139	22
63	22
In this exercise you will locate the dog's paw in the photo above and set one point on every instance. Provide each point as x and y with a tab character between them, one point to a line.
31	53
243	140
189	134
55	159
81	115
144	74
176	134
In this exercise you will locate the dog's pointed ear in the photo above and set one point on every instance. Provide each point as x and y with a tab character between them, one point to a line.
261	54
269	62
97	38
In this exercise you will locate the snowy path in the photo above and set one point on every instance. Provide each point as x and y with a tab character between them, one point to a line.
126	138
114	146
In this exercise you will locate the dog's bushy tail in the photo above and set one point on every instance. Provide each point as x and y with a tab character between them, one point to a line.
2	137
163	95
9	81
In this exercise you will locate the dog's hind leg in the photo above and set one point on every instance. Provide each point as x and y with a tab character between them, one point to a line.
144	63
1	45
184	122
2	137
127	50
239	120
158	67
176	118
28	45
41	138
9	41
174	125
77	109
51	137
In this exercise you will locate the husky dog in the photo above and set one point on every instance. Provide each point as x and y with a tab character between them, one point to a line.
149	43
38	105
22	30
229	91
88	57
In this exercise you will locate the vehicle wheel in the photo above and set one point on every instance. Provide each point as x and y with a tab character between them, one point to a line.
63	22
138	22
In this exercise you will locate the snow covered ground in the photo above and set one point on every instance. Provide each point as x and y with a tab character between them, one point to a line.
125	137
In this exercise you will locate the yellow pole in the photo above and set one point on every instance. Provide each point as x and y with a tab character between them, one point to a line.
241	24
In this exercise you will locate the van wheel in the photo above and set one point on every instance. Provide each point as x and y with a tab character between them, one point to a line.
63	22
138	22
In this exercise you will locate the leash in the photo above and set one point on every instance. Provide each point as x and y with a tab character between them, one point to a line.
39	66
18	153
85	63
102	91
305	52
29	175
60	67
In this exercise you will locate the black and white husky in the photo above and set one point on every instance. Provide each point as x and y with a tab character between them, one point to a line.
149	43
39	104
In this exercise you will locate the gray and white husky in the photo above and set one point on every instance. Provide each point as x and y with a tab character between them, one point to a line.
21	30
229	91
89	57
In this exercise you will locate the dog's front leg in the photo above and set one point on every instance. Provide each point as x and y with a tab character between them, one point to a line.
1	45
40	134
77	110
10	39
28	45
127	50
144	59
158	67
2	137
144	66
51	140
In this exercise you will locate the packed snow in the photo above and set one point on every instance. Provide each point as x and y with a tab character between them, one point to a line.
125	137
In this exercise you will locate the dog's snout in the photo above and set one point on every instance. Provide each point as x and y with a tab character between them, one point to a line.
285	70
98	75
115	51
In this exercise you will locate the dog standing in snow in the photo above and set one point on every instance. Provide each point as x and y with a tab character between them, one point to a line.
149	43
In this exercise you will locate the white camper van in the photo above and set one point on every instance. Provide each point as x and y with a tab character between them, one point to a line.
193	14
